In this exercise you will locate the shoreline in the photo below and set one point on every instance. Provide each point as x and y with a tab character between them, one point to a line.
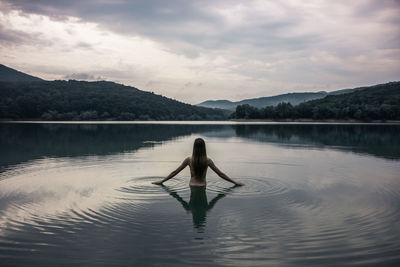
324	121
222	122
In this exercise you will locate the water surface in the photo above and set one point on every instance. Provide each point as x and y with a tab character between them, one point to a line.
315	195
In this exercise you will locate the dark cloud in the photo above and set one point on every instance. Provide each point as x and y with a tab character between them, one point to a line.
12	36
308	42
15	37
185	26
192	27
84	45
194	22
83	77
372	9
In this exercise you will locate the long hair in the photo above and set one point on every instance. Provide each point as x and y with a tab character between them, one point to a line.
199	156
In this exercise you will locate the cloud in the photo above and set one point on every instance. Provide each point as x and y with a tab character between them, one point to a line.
83	77
12	36
187	27
9	36
233	48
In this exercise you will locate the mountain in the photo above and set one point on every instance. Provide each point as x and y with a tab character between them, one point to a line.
80	100
378	102
223	104
26	97
10	75
292	98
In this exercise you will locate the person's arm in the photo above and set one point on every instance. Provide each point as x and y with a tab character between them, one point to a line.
173	173
185	205
221	174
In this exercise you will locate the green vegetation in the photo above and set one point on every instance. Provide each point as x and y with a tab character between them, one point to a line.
25	97
379	102
78	100
293	98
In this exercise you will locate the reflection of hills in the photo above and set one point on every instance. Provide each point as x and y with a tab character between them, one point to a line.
23	142
377	140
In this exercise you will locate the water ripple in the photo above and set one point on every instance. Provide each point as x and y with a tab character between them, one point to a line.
142	188
266	221
255	186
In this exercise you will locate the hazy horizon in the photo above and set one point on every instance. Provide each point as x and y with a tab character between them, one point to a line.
206	50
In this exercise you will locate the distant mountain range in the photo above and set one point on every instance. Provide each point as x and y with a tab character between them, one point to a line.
11	75
292	98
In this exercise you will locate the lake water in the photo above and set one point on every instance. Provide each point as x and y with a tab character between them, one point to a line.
315	195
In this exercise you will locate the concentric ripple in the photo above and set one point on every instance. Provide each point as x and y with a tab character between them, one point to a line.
314	208
254	186
142	188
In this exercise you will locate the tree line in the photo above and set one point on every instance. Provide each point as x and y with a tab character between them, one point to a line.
380	102
79	100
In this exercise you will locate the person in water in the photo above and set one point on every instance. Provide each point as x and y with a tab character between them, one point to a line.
198	163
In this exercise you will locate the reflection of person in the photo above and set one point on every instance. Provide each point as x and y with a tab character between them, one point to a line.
198	164
198	204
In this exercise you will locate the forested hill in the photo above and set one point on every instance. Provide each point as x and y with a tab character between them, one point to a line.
80	100
10	75
260	102
293	98
379	102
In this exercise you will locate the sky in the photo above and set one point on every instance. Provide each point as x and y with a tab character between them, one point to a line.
193	51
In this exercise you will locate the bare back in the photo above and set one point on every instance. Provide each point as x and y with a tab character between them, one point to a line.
197	179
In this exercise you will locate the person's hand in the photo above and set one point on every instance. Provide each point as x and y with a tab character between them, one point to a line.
157	182
239	184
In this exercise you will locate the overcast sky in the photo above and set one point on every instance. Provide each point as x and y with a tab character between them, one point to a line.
198	50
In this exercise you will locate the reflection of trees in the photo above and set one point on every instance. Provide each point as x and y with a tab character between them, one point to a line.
23	142
198	204
378	140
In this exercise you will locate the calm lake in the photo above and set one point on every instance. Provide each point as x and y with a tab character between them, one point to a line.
315	194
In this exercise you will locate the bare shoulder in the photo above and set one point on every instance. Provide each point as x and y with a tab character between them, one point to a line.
209	161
